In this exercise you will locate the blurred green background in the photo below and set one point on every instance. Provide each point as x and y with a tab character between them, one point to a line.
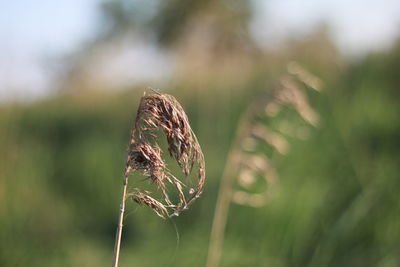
63	155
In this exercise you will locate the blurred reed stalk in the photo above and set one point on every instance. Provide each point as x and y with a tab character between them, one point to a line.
288	93
225	195
160	112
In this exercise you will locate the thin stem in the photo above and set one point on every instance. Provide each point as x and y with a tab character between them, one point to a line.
120	223
221	213
225	195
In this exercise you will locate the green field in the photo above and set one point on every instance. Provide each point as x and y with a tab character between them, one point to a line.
337	193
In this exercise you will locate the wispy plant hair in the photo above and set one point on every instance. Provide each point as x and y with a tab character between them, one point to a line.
162	112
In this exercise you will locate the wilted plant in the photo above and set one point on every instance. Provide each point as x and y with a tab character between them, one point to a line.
161	113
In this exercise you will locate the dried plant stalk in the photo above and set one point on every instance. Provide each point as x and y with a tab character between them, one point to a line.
161	112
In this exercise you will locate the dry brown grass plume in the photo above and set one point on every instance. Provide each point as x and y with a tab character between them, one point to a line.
162	112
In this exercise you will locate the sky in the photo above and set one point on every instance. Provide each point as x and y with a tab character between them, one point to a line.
32	33
357	25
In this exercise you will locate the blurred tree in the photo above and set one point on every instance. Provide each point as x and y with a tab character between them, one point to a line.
171	20
202	35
